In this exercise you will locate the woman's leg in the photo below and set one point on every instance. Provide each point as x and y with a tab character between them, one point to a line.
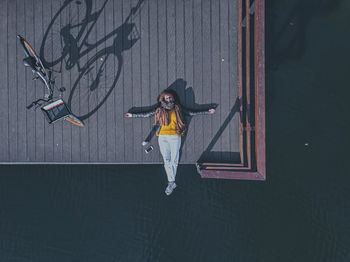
165	150
175	144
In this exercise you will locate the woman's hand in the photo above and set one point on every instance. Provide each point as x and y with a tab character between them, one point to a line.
128	115
211	111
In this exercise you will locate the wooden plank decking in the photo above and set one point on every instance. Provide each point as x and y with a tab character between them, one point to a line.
189	46
251	75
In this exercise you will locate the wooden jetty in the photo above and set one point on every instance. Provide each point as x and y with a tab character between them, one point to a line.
115	56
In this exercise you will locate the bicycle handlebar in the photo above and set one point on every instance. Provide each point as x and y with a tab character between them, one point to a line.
30	106
36	102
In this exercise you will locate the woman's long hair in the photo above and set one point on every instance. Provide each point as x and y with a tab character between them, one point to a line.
161	117
168	92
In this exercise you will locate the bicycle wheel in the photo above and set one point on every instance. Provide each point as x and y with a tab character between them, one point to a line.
64	31
94	85
74	120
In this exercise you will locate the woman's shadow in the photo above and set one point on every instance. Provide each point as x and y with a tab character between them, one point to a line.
186	98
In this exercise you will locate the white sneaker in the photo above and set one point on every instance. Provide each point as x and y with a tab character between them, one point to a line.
171	186
144	143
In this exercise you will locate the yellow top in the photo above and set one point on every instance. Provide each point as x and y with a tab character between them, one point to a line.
172	128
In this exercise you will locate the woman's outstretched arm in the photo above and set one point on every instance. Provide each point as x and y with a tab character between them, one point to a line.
144	114
191	112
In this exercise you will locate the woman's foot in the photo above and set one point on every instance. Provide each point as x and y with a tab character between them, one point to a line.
171	186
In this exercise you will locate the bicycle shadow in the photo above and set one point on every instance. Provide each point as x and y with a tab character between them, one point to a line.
121	43
76	48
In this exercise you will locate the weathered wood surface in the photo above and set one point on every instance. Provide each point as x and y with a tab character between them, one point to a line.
190	46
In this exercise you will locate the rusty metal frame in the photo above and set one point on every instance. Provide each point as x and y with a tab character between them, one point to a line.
246	170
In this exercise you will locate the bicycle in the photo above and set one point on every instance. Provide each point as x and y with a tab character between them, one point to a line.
54	108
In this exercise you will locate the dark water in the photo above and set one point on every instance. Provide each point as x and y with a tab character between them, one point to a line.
301	213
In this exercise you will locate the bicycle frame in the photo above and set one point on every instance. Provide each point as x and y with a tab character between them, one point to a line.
33	61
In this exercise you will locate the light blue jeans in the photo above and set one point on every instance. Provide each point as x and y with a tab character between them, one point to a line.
170	149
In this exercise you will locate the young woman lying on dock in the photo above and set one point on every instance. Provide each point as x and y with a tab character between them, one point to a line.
168	117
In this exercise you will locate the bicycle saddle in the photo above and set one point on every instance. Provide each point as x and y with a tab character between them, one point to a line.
31	62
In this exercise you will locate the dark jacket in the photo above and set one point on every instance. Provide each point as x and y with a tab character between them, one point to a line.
184	110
